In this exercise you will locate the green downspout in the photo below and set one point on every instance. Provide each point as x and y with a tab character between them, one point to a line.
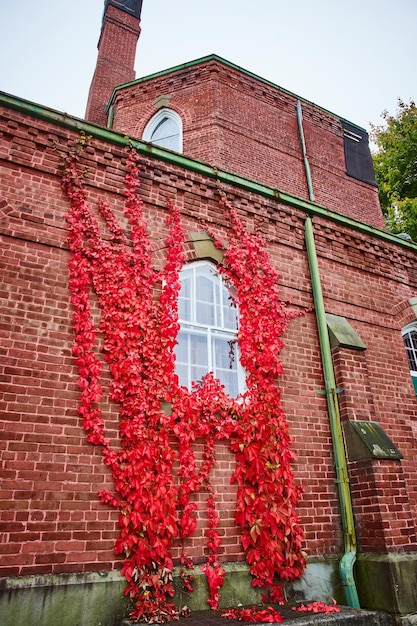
348	560
304	149
110	117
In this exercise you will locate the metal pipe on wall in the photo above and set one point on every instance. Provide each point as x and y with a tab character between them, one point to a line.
304	149
349	536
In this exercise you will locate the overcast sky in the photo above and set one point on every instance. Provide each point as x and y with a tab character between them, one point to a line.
354	58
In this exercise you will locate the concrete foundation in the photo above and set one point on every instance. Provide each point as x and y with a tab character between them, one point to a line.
387	582
94	599
97	599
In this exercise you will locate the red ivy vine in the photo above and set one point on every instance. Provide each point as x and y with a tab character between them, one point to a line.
270	615
154	478
255	615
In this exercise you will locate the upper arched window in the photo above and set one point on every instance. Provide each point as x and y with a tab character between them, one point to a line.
207	341
410	342
165	129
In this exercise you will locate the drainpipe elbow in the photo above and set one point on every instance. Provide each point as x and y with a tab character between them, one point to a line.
348	581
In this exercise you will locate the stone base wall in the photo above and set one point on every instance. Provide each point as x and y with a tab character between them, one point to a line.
387	582
97	599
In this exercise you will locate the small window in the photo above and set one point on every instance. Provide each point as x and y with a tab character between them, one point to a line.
357	153
207	341
165	130
410	342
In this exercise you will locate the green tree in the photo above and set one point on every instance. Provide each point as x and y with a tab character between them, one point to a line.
395	162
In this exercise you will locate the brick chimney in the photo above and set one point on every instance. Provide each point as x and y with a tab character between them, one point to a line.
116	55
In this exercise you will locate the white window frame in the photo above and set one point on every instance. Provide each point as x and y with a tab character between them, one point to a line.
210	331
154	122
411	351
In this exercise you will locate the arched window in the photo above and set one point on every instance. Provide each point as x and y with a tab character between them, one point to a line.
165	129
410	342
207	341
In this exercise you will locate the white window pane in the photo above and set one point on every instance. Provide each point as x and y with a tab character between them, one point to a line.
230	382
184	309
204	301
206	311
181	349
197	373
165	129
166	134
224	353
208	270
218	319
186	284
182	373
204	289
410	341
170	143
230	316
184	299
198	350
225	363
410	346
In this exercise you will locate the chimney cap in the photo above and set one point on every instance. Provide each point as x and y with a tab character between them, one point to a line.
133	7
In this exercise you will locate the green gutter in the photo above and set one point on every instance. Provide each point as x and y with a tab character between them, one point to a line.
174	158
348	560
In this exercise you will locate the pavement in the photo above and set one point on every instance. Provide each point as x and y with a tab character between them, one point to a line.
346	617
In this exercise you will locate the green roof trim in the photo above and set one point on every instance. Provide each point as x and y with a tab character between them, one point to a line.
225	62
222	176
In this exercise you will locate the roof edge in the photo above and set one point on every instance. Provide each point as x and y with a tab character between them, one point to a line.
309	208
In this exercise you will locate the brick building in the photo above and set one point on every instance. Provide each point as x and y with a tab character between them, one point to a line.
302	178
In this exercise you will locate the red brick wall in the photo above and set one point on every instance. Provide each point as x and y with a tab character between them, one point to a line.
51	520
383	517
241	124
